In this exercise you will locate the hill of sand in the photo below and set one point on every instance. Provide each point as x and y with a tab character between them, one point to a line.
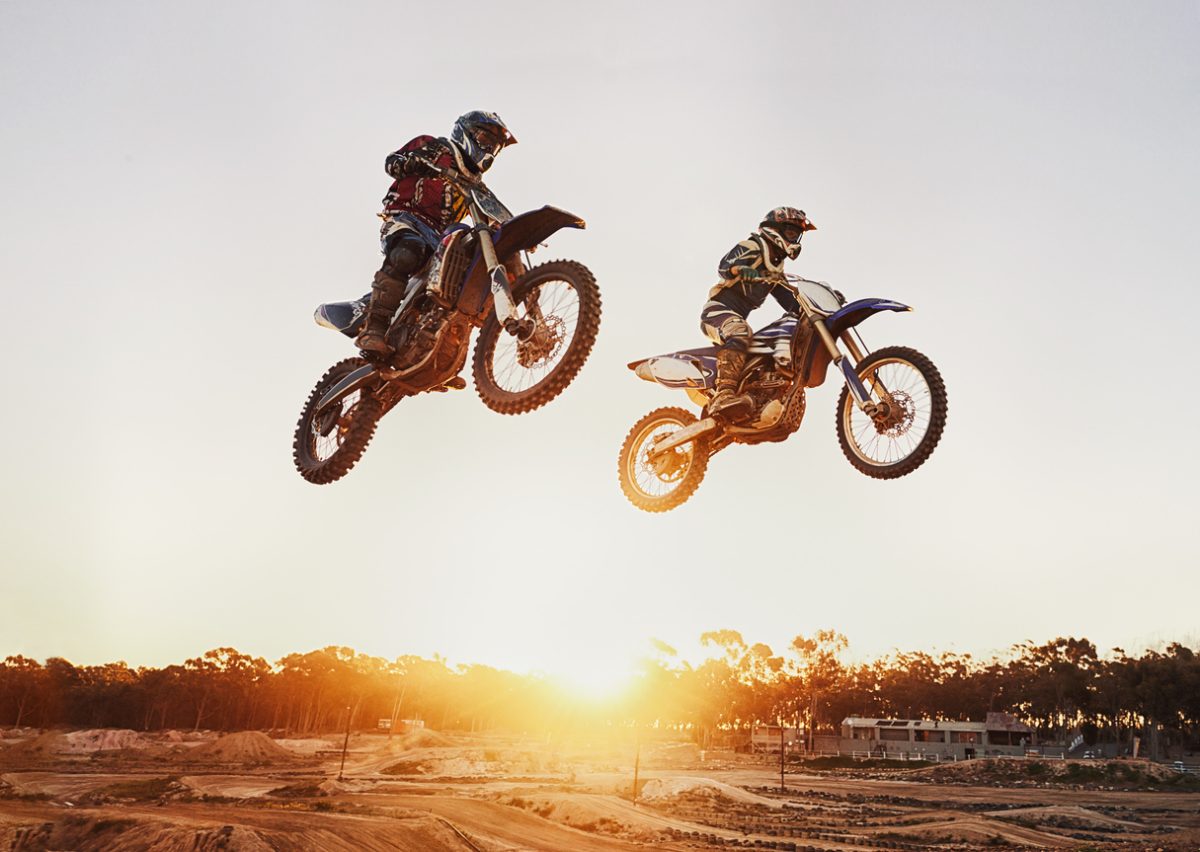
42	747
252	747
420	738
103	739
109	829
664	789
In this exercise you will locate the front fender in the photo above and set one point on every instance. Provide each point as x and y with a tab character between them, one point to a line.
360	378
520	233
854	313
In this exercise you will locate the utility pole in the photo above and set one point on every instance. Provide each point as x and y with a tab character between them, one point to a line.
637	759
782	786
812	724
396	710
345	743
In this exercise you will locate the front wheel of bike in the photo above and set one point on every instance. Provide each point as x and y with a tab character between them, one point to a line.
912	408
661	482
562	301
328	444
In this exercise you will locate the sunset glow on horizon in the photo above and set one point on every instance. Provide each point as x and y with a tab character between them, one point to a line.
1024	176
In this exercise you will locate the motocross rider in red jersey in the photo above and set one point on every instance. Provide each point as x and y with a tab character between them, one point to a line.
420	205
750	271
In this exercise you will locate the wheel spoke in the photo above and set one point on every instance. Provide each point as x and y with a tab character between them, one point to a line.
559	305
911	400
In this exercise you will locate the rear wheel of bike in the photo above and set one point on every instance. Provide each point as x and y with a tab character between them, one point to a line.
328	444
911	397
514	376
668	479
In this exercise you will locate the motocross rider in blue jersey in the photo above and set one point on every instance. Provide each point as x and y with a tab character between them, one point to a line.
752	270
420	205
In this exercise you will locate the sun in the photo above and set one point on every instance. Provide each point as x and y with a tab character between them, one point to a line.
596	680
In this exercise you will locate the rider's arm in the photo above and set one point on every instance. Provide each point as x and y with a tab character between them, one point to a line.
406	161
745	255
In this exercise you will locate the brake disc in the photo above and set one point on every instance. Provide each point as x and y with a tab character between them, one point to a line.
543	344
901	412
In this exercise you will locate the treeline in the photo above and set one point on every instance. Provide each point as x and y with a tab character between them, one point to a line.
1059	687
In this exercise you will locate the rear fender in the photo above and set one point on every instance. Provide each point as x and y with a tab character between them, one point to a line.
679	370
521	233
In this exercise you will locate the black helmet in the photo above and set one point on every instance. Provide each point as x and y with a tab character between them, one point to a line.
784	227
480	136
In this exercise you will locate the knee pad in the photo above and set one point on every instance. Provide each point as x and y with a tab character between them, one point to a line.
405	257
736	335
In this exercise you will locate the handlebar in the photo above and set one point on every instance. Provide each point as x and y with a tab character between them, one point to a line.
452	175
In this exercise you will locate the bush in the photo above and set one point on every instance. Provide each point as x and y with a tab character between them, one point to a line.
146	788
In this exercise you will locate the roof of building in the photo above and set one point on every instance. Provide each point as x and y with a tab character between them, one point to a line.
995	722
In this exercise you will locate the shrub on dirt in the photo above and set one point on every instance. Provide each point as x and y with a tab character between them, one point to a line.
405	767
1077	772
142	789
300	790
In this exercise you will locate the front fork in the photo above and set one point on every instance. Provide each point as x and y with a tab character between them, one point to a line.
502	297
857	389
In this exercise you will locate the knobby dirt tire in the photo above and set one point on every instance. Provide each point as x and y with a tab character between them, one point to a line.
937	415
628	459
356	431
555	382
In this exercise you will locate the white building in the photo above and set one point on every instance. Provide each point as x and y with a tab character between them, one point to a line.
999	734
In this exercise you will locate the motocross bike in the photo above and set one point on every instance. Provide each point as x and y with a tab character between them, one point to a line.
537	326
890	414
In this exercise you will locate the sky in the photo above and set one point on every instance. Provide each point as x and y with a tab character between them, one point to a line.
182	184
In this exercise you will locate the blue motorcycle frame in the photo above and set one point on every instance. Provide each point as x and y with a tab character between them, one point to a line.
892	408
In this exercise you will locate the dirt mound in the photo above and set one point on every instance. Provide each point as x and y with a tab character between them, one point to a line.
103	739
420	738
441	763
85	832
1069	816
242	747
41	747
109	830
663	789
594	812
980	832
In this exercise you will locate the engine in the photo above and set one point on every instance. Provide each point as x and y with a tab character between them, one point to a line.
778	406
413	337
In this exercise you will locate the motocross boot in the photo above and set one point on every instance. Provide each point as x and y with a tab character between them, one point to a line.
386	294
728	401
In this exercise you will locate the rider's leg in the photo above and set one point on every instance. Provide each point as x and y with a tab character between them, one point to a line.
731	360
729	328
407	254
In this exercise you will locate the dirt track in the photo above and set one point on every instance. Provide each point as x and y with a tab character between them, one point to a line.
494	795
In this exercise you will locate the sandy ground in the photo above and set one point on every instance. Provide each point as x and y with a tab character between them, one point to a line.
102	790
